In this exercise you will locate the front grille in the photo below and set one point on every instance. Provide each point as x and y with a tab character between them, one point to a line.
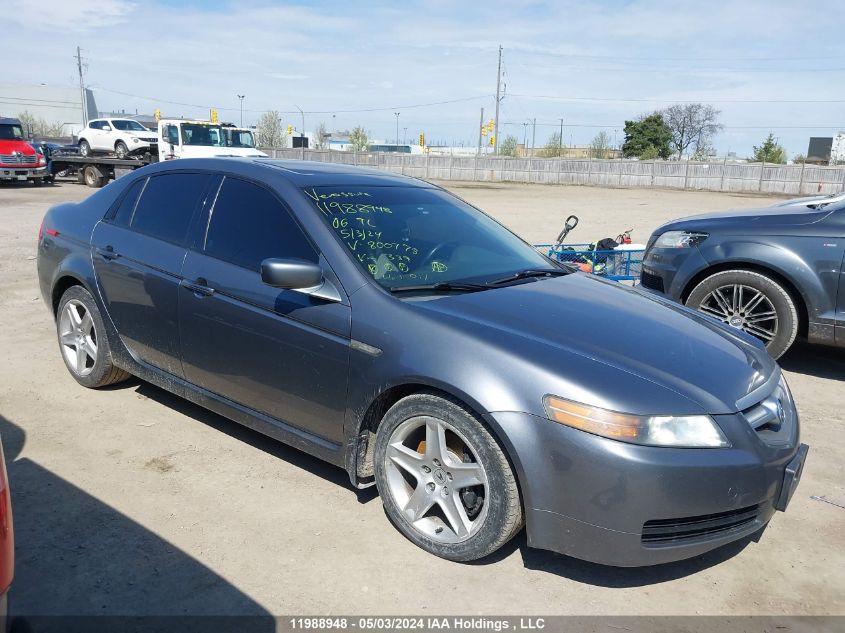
18	159
671	531
654	282
774	418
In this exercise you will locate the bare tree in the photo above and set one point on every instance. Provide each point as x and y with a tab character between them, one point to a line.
553	147
600	145
693	125
321	136
37	126
358	139
269	131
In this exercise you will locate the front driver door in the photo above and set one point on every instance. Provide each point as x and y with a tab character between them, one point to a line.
280	352
138	252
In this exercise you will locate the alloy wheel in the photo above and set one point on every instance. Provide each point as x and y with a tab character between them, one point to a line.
78	337
436	480
744	308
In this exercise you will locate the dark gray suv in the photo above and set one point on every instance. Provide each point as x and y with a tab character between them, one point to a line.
776	273
384	325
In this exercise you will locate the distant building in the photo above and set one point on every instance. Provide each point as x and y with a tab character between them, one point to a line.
818	151
60	105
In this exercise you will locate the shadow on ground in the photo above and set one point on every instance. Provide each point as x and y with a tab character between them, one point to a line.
815	360
76	556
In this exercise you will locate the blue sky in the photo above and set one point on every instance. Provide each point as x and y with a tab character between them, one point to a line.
771	65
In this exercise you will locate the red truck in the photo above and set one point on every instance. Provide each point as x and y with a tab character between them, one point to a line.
18	159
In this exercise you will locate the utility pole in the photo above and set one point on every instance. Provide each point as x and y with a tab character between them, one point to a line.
498	99
480	125
81	87
404	136
533	135
397	127
560	141
241	97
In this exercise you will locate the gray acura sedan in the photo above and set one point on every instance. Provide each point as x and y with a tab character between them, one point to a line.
384	325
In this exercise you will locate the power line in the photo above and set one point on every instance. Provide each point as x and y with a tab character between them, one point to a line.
650	100
674	59
681	69
726	127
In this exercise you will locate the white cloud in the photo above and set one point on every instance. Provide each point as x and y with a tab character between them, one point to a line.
81	15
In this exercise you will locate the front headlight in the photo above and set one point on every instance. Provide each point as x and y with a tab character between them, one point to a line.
680	239
681	431
134	139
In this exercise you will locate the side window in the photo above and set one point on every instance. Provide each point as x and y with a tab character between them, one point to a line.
165	209
171	134
248	224
123	214
95	125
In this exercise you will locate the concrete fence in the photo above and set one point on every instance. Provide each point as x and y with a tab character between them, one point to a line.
717	176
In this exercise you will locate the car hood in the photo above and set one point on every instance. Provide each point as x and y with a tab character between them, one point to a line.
750	219
564	321
9	146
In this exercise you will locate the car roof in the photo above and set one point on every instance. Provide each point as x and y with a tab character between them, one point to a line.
301	173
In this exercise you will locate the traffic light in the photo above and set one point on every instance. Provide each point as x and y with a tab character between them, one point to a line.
490	125
422	139
483	130
290	130
492	140
158	114
213	116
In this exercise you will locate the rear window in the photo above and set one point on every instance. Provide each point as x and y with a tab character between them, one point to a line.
167	205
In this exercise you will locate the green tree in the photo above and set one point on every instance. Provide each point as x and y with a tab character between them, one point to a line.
647	136
770	151
553	147
509	146
269	133
600	145
358	139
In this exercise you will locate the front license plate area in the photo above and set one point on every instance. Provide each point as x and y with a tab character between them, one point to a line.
791	477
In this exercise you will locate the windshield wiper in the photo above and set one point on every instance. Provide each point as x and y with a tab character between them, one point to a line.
440	287
530	272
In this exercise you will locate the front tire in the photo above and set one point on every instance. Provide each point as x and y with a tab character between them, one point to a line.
752	302
444	480
121	150
83	342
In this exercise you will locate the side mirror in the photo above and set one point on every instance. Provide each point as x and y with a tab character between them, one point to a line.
106	128
293	274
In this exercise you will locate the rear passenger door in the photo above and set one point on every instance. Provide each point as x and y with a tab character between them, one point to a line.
282	353
138	251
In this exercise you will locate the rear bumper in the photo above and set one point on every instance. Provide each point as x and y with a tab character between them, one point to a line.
625	505
8	172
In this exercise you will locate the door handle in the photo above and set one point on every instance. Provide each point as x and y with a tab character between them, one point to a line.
199	287
107	253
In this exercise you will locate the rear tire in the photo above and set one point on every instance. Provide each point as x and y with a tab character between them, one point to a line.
444	481
84	148
83	343
92	177
752	302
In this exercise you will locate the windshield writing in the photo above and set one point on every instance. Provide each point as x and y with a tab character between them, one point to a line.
416	235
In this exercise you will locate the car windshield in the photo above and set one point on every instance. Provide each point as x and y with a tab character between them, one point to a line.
408	236
207	135
127	126
11	132
239	138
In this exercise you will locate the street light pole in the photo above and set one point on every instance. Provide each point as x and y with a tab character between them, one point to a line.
302	132
397	127
241	97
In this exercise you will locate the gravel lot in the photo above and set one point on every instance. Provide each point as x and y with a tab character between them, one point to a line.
131	501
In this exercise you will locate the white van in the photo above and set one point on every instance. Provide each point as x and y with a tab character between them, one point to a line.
202	139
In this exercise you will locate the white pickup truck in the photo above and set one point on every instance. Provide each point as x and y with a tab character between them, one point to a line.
177	138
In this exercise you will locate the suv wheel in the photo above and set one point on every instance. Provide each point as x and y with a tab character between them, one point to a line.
444	480
752	302
120	149
84	148
83	342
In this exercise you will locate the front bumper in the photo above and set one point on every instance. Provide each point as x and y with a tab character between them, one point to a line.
10	172
667	271
625	505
